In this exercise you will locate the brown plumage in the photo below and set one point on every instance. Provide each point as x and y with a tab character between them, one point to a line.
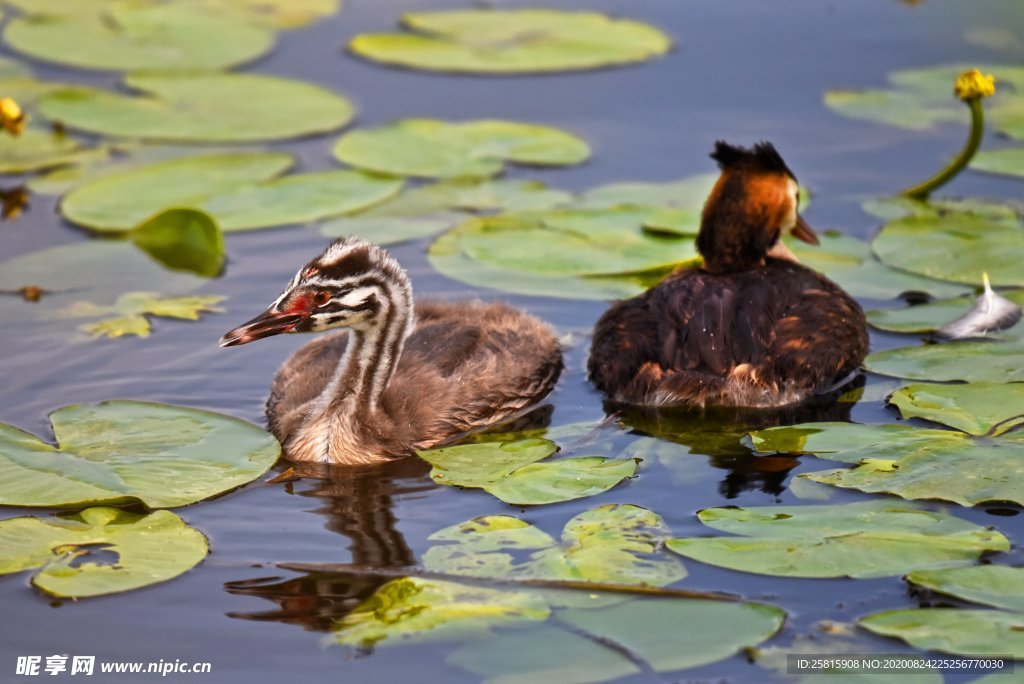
746	328
406	382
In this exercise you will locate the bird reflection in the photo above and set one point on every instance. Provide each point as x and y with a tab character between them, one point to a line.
718	432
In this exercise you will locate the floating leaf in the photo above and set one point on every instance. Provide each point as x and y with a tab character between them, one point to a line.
870	539
414	607
201	107
67	8
852	442
286	14
949	630
1009	162
993	585
513	41
122	38
184	240
892	208
471	149
980	408
609	544
122	451
509	471
133	309
149	549
37	150
925	318
685	193
955	246
987	361
439	206
238	190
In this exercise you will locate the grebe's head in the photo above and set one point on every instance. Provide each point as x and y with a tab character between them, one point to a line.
756	200
353	284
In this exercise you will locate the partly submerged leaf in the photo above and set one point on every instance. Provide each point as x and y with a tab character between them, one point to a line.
993	585
978	408
513	41
201	107
949	630
870	539
37	150
122	451
146	549
616	544
132	308
183	240
470	149
139	38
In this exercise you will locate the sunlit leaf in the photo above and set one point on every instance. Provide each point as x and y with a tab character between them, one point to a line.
614	543
993	585
471	149
136	550
182	239
870	539
201	107
949	630
852	442
37	150
513	41
978	408
124	37
131	311
124	451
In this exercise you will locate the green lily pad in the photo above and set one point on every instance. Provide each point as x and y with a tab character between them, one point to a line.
595	650
956	246
993	585
470	149
852	442
239	190
1009	162
184	240
870	539
513	41
616	544
509	471
132	310
685	193
67	8
201	107
978	408
38	150
122	38
439	206
124	451
285	14
926	318
411	607
949	630
897	207
150	548
985	361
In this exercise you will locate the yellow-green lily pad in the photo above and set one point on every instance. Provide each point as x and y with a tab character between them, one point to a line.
979	633
994	360
129	315
993	585
977	408
37	150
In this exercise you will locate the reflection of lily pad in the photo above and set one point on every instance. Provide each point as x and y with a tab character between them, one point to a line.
201	107
141	550
36	150
513	41
925	318
870	539
510	471
994	585
471	149
978	408
121	451
949	630
154	38
615	544
129	314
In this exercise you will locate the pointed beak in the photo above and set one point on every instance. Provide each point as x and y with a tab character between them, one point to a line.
804	233
266	324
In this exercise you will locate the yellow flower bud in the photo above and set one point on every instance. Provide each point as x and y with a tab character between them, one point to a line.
12	119
974	84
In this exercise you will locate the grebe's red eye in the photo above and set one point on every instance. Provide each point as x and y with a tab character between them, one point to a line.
321	297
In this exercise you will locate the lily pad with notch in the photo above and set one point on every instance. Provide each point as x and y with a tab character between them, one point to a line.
977	408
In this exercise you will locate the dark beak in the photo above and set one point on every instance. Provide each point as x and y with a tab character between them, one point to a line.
803	232
266	324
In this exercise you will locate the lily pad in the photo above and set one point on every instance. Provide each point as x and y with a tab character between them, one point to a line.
149	549
986	361
184	240
38	150
513	41
239	190
470	149
685	193
852	442
870	539
424	608
978	408
509	471
949	630
153	38
124	451
926	318
439	206
615	544
131	312
285	14
201	107
1009	162
993	585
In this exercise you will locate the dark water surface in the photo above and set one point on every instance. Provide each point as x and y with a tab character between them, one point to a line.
744	70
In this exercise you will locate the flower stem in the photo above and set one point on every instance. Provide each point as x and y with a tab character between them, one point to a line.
921	191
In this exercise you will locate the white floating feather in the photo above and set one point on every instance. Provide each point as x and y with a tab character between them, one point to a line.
991	313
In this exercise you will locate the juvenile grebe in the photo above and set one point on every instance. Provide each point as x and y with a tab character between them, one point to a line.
394	383
744	329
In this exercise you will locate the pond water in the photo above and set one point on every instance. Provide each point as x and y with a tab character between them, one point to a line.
742	71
